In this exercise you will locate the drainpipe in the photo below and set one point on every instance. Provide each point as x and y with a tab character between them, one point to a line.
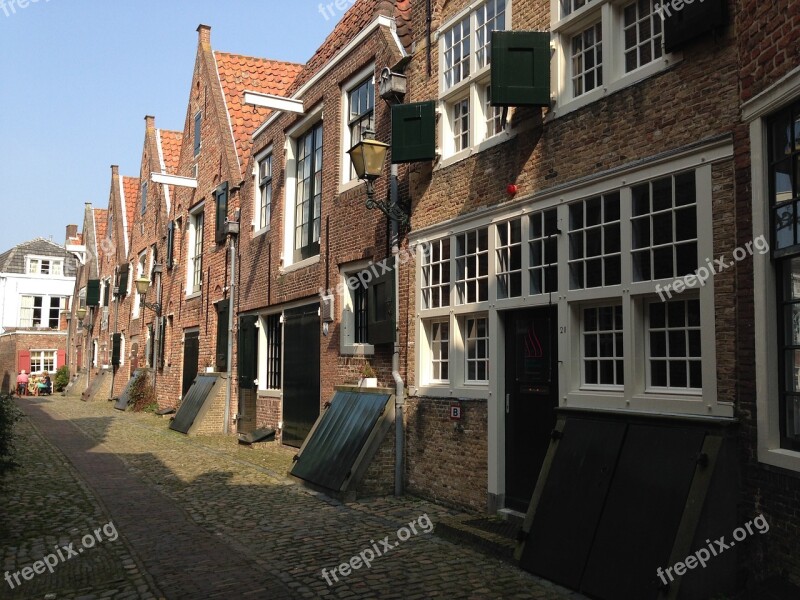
115	368
399	402
232	229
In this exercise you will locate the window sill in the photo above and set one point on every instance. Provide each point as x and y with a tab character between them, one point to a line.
270	393
666	404
193	295
357	350
491	142
346	186
299	265
780	457
478	392
260	232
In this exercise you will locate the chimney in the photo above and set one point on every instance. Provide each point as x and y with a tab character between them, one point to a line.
115	170
72	232
150	122
204	35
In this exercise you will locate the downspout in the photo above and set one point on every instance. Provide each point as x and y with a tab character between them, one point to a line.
115	368
399	394
228	384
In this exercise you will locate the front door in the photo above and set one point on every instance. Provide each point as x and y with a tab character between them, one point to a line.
531	397
248	373
191	356
301	373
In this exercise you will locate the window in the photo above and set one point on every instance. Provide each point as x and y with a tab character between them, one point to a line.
360	114
195	275
436	274
472	266
465	48
360	314
220	212
594	242
41	311
198	122
588	66
603	357
44	361
543	247
31	311
354	336
144	197
264	207
46	266
674	354
141	271
509	259
308	197
273	329
439	343
476	343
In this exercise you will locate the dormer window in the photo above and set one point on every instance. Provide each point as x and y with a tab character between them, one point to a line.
46	266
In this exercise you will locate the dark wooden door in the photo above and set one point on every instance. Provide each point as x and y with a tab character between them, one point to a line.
191	356
247	363
531	399
301	401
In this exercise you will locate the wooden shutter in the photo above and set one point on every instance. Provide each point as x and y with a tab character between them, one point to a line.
247	351
162	338
93	292
692	21
520	68
221	197
61	358
170	244
24	361
116	349
380	308
222	335
413	132
122	280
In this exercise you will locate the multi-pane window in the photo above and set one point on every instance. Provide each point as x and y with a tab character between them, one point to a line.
43	361
587	59
273	330
508	248
476	344
465	58
664	228
673	336
308	196
461	125
784	177
543	252
594	242
436	274
265	191
361	113
46	266
360	315
197	221
439	341
41	311
603	357
570	6
643	34
472	266
54	315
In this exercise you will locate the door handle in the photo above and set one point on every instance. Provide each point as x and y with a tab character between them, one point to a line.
508	403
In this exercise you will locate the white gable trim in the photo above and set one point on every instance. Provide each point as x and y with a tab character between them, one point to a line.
163	167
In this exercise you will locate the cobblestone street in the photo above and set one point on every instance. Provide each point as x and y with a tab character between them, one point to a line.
205	518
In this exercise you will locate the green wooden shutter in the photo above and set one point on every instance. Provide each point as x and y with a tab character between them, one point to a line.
520	68
170	244
93	292
692	21
122	280
221	196
380	308
116	349
222	335
413	132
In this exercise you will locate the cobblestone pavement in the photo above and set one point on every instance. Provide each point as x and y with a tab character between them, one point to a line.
206	518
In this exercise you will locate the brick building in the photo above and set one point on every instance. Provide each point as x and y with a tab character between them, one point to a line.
36	282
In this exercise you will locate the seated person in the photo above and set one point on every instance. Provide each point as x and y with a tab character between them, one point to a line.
22	383
44	385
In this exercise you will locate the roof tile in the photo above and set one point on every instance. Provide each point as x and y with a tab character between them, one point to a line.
171	147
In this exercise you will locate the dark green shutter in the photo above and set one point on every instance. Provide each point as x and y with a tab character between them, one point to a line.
413	132
170	244
93	292
222	335
692	21
247	351
116	348
221	196
520	68
122	280
380	307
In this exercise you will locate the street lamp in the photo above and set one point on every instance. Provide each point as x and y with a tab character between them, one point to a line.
368	157
80	313
143	286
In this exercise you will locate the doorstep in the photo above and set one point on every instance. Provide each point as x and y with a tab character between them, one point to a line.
494	536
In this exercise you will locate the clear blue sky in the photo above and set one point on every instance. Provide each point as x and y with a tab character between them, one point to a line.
77	78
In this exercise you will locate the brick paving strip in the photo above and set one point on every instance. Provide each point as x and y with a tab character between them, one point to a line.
185	560
255	524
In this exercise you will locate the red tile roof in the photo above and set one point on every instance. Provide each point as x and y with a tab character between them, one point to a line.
239	73
100	224
171	147
130	186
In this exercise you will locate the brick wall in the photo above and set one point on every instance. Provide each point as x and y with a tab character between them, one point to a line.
12	343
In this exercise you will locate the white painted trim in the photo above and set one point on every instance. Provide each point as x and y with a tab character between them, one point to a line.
176	180
163	167
347	321
778	94
124	209
227	113
380	21
353	82
274	102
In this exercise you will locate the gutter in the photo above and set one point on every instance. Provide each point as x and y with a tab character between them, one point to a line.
399	394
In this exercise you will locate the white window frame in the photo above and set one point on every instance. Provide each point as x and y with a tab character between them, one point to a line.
427	367
141	271
463	325
611	16
471	88
755	112
37	260
262	355
288	263
347	332
257	212
41	358
191	289
346	180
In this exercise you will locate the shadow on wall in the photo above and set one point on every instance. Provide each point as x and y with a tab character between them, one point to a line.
6	386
